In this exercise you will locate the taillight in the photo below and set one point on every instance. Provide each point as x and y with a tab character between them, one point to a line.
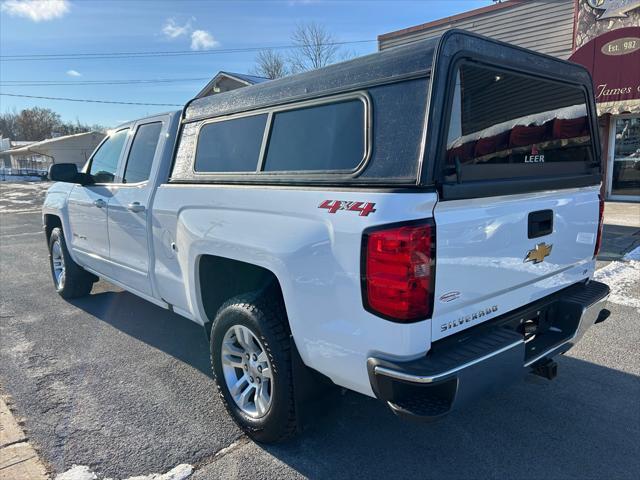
399	271
600	223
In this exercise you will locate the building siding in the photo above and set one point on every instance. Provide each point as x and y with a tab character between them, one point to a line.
542	25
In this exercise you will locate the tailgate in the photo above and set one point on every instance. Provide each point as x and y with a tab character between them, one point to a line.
518	212
488	264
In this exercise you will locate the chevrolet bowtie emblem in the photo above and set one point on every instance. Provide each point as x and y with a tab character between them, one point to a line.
538	254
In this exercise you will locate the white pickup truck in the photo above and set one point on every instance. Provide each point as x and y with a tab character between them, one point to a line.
417	225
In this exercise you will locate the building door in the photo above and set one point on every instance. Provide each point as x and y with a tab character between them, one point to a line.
624	158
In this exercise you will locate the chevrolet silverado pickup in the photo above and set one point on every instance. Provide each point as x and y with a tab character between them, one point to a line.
418	225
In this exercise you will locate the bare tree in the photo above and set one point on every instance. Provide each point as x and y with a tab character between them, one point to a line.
314	47
9	124
38	124
270	64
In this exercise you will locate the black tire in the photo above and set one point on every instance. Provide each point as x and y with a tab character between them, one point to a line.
263	314
76	281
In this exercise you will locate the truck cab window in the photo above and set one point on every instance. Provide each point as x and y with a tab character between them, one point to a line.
104	162
142	151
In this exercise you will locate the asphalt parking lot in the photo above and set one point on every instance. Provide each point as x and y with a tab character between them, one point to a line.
123	387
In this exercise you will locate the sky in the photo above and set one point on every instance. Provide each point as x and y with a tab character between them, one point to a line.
63	27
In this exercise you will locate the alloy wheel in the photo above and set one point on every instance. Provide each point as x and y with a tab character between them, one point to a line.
247	371
57	260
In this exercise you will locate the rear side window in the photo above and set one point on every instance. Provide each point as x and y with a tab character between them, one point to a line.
104	162
327	137
506	125
142	151
230	145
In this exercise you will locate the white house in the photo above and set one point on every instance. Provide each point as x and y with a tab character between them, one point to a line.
225	81
34	158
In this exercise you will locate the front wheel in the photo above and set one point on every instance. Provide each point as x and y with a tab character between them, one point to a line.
251	361
69	278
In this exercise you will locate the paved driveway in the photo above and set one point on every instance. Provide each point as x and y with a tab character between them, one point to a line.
123	387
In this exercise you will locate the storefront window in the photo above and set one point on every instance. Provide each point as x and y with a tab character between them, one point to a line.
626	161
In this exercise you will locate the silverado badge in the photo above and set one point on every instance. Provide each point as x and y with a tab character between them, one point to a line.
538	254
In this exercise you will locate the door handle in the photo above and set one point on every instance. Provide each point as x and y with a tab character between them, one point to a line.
540	223
100	203
135	207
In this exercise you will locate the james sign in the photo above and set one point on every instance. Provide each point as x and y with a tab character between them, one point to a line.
613	59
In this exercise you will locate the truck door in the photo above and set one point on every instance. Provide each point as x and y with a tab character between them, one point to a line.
128	221
88	206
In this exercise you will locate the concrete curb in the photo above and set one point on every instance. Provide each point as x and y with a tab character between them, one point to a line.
18	459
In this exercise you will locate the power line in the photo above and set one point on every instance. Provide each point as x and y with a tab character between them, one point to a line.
92	101
108	55
48	83
180	52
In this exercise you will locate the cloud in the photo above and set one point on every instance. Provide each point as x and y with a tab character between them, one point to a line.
202	40
36	10
74	73
172	30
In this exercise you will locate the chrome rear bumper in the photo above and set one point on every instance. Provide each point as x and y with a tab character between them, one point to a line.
466	365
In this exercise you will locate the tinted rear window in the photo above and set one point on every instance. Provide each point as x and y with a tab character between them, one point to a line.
323	138
230	145
505	125
142	151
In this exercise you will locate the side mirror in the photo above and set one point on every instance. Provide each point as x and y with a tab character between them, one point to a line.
68	172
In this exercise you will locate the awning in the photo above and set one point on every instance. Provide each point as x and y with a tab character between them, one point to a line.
613	59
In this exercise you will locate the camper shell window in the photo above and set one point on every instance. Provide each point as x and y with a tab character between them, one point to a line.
324	136
505	125
328	137
230	145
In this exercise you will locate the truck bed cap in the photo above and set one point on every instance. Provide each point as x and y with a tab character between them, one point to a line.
407	61
408	89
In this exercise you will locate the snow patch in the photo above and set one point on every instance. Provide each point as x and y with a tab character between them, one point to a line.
566	113
16	194
179	472
77	472
622	277
82	472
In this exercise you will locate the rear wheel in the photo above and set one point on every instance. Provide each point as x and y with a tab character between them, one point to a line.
69	278
251	361
248	374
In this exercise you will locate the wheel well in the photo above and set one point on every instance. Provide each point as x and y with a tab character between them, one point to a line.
223	278
51	222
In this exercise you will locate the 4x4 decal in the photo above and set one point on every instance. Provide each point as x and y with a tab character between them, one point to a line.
364	208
